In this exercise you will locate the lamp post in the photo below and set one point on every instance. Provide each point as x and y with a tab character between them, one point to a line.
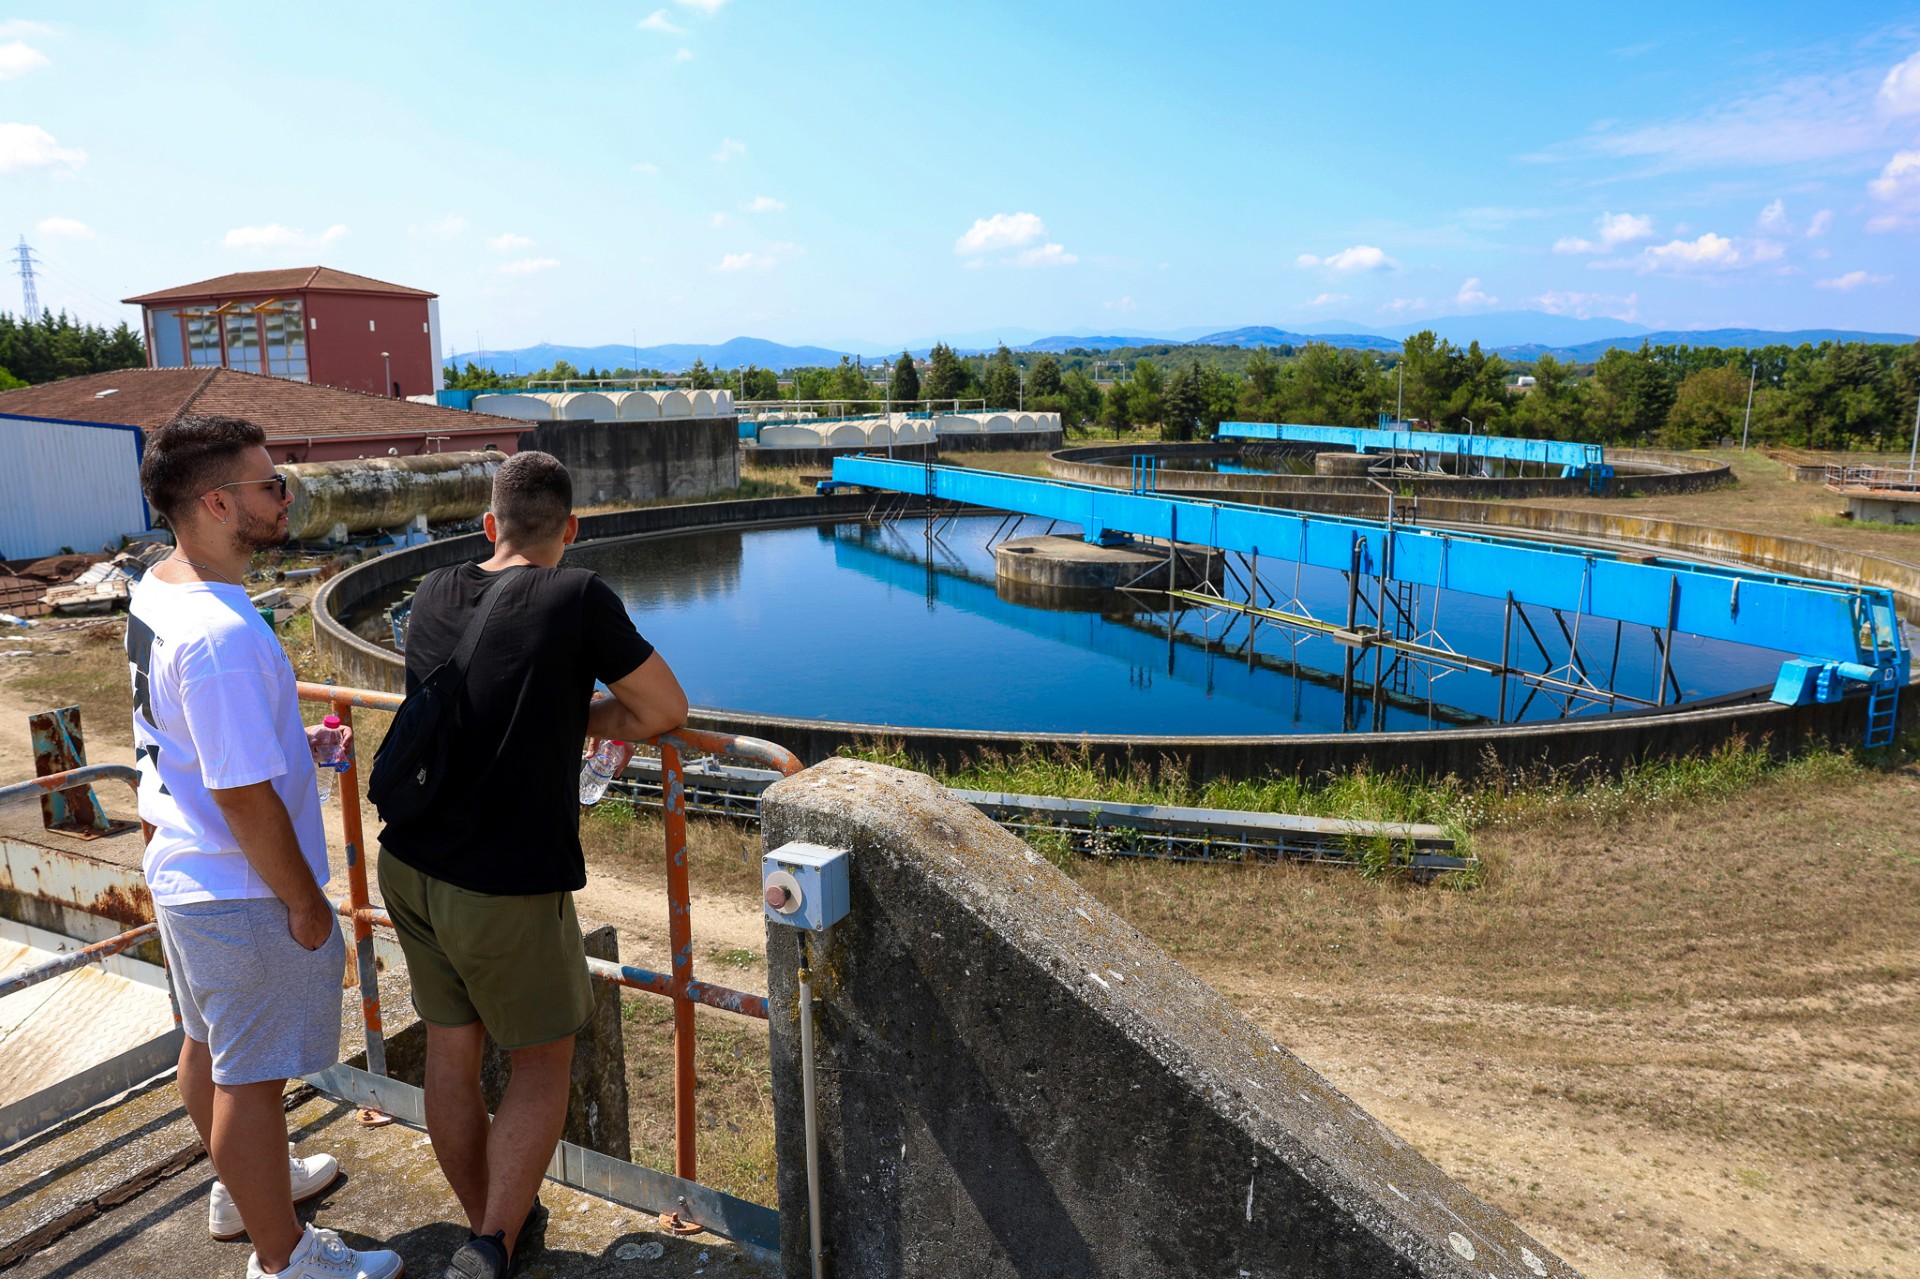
388	361
1753	375
1914	451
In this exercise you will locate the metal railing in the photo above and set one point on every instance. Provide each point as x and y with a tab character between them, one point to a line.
358	910
678	985
31	791
1884	479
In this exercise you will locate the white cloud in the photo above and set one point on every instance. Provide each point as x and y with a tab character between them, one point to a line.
1124	305
1471	294
1612	229
261	239
28	146
1774	216
1046	255
1361	257
1806	118
508	241
1001	231
1900	91
1709	251
1766	251
1586	306
647	168
69	228
17	58
1818	224
13	27
1900	178
527	266
765	204
1851	281
765	259
446	228
1330	299
683	55
1401	305
659	21
729	148
717	219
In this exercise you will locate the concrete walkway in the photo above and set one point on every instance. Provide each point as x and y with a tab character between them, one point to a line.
391	1193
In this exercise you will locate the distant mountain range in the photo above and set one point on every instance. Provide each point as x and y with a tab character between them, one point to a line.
1520	335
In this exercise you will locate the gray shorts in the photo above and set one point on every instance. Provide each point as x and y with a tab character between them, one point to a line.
265	1006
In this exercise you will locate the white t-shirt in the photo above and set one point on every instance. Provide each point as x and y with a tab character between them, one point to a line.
214	707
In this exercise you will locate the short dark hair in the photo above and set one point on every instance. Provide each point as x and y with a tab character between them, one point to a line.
190	455
532	497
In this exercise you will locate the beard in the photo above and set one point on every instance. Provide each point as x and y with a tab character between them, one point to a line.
258	534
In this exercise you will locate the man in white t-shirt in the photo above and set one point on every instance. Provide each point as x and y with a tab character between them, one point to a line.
237	856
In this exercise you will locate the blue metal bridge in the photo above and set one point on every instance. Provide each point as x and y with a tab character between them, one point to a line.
1572	459
1840	634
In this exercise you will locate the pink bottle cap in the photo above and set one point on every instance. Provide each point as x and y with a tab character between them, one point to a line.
331	721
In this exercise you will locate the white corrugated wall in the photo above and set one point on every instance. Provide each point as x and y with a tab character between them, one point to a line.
67	484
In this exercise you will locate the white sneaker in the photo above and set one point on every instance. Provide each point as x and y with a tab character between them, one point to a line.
310	1176
321	1254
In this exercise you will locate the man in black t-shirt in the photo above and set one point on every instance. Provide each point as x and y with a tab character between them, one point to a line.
481	888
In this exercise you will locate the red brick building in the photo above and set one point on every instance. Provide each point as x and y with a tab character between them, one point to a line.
303	423
305	324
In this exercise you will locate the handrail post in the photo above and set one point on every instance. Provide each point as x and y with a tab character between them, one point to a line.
673	808
368	973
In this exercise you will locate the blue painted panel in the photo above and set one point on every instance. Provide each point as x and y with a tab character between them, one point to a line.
1768	610
1573	457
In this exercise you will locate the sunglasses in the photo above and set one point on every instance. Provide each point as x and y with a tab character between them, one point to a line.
278	478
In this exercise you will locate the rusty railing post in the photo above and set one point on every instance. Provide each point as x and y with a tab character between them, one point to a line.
362	901
680	937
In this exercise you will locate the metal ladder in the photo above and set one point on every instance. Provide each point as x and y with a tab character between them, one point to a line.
1882	630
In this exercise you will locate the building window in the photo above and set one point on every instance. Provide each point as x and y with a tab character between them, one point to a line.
283	327
203	339
169	350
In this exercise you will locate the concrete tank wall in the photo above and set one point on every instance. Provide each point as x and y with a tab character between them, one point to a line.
637	462
387	492
1012	1082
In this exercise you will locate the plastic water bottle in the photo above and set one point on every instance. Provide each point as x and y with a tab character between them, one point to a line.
608	761
331	744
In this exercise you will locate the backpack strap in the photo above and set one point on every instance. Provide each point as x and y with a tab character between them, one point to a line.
470	639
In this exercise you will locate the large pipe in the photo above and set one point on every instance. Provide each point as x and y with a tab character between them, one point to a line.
387	492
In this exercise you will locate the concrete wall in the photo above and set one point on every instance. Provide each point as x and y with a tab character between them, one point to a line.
640	461
1003	441
823	457
1641	472
1014	1082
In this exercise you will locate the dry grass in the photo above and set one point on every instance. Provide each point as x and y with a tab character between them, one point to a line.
1766	500
733	1095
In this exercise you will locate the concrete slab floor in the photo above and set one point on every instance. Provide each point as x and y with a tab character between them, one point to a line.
392	1195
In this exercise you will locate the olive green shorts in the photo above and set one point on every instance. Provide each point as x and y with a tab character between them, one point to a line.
515	964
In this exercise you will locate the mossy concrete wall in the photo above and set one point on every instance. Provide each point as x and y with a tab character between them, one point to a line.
1013	1081
642	461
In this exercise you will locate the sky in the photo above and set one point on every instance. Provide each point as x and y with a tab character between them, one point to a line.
845	173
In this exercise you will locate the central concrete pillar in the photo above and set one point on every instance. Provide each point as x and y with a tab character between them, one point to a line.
1014	1082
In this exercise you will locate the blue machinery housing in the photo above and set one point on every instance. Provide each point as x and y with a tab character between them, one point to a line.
1572	459
1841	634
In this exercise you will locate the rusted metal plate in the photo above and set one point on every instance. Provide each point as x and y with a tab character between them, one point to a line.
59	745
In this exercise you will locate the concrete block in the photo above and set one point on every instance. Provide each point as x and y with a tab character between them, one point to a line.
1014	1082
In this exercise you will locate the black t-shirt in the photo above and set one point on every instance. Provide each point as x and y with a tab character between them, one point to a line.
508	821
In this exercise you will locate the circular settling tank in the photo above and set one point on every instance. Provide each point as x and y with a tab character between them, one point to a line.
878	624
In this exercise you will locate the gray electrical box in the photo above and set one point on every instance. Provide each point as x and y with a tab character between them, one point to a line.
805	886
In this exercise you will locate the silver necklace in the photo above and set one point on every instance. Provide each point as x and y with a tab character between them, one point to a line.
204	569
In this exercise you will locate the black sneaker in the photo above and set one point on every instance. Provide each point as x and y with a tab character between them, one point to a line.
480	1258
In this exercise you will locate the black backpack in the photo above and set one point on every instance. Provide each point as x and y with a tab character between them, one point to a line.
410	768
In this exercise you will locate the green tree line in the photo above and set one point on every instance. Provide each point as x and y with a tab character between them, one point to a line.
1830	396
57	346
